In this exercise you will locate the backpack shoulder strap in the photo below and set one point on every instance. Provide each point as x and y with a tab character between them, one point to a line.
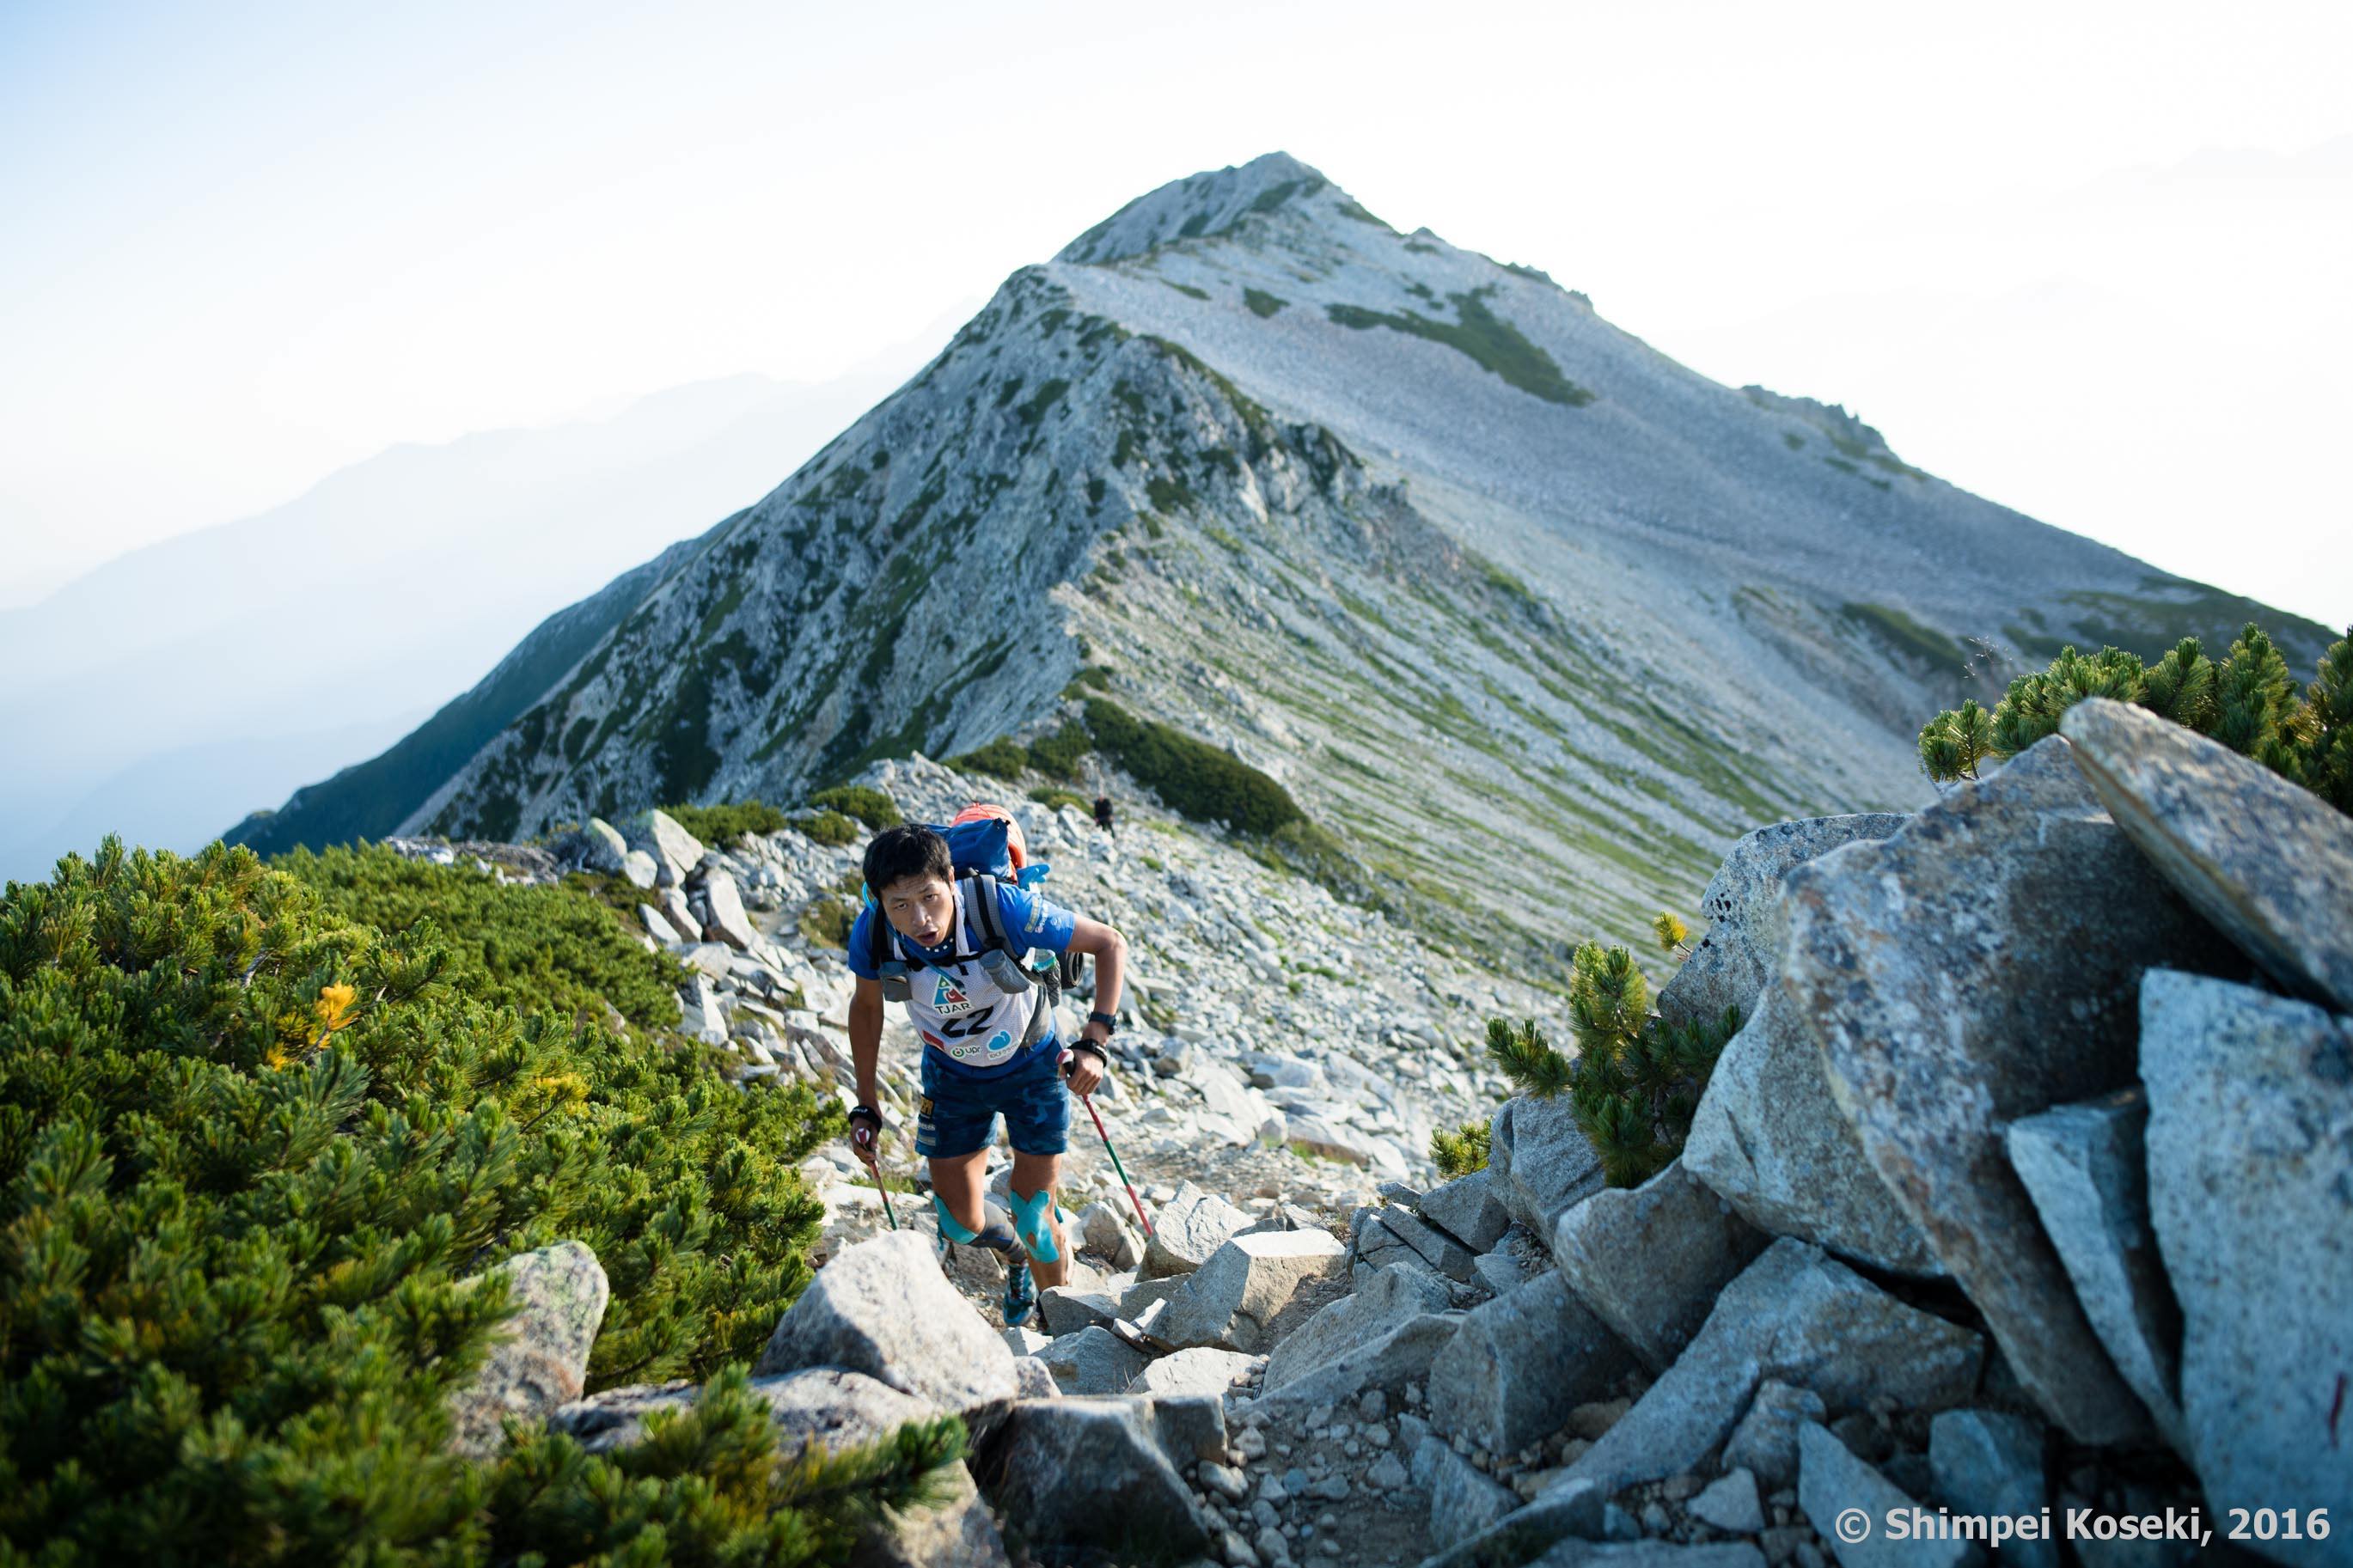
877	937
980	904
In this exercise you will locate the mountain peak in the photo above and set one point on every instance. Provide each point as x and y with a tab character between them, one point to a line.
1199	205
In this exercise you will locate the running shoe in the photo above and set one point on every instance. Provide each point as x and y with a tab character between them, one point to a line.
1020	1296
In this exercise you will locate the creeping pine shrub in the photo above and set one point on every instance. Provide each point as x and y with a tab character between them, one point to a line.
252	1146
1054	799
723	825
1193	776
1461	1152
1002	758
828	827
869	804
1636	1080
2249	702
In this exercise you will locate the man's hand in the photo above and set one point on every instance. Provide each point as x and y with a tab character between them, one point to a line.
1085	1066
865	1132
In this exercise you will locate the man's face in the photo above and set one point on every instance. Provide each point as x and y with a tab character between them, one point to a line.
921	908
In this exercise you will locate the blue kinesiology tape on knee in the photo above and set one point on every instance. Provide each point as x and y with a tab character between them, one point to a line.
1032	1218
995	1232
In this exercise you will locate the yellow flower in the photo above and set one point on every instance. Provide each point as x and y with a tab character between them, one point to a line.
334	1006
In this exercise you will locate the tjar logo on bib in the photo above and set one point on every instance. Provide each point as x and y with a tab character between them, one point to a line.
948	999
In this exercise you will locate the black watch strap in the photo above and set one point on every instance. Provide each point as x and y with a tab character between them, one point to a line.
1110	1024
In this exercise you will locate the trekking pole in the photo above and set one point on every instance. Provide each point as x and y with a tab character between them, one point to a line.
1089	1102
874	1169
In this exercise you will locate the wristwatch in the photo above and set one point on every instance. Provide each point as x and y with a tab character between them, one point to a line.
1110	1024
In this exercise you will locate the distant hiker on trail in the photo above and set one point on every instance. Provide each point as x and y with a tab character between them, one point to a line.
951	946
1102	812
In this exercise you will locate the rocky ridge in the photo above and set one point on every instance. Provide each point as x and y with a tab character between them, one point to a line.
1337	498
1520	1365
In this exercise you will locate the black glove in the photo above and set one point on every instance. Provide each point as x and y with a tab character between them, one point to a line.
865	1131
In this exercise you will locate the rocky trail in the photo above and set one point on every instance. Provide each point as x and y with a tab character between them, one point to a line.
2027	1187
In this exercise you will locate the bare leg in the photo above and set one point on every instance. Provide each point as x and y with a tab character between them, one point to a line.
958	1182
1032	1174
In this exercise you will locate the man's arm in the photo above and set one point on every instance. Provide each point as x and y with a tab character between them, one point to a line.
866	1035
1109	950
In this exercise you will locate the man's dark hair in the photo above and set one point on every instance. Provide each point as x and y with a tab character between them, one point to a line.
899	853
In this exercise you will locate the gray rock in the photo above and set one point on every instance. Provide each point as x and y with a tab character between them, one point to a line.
830	1409
1764	1443
1650	1260
1832	1481
1769	1138
1577	1553
1463	1502
1976	968
1539	1163
1988	1462
675	850
2251	1187
1800	1317
1467	1209
1399	1355
641	869
1198	1371
1188	1229
1433	1247
601	846
701	1017
1104	1231
1055	1467
2086	1170
681	914
1389	1299
1092	1360
1188	1427
1733	963
658	924
1499	1271
728	922
1232	1301
539	1355
883	1307
1065	1310
1730	1503
1033	1379
1317	1136
1138	1299
1520	1364
1385	1475
2268	862
1567	1511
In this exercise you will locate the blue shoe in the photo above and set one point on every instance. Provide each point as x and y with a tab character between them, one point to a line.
1020	1296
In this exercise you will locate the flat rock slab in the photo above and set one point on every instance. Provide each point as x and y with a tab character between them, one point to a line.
1795	1316
1771	1140
1981	965
1467	1209
1189	1229
1232	1300
1650	1260
2086	1168
1520	1364
2268	862
2250	1188
1832	1483
1092	1360
1381	1302
1734	961
539	1356
883	1307
1463	1501
1989	1462
1198	1371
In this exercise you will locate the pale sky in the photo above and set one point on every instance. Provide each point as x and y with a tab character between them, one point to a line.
2086	260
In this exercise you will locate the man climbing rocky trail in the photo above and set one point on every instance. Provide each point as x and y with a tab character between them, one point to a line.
1855	1293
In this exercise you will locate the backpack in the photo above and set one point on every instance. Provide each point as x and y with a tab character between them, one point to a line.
985	847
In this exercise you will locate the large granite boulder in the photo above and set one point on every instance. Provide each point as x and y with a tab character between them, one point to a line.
1795	1316
2086	1168
1772	1141
1092	1360
2268	862
1539	1163
1978	966
1520	1364
1199	1370
1077	1477
829	1409
1189	1229
2250	1188
1232	1300
539	1356
1383	1335
1733	963
1467	1209
728	922
675	851
1648	1260
883	1307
